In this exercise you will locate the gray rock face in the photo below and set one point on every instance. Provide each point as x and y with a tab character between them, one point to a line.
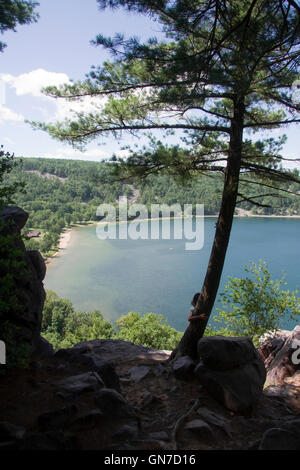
29	289
138	373
38	263
237	387
14	214
43	349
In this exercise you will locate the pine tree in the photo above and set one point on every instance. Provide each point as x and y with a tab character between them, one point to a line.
223	73
13	12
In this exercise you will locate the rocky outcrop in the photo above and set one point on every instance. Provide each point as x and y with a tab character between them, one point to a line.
231	370
281	352
28	290
115	395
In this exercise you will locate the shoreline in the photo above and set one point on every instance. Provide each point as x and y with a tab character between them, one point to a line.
63	243
64	240
66	236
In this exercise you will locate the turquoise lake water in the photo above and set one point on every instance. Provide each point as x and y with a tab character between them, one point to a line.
160	276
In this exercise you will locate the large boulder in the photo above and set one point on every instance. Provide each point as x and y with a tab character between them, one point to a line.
26	314
231	370
112	403
183	368
225	352
85	357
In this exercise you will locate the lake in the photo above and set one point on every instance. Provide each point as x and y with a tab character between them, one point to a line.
160	276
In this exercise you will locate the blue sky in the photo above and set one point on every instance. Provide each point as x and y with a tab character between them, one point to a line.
54	50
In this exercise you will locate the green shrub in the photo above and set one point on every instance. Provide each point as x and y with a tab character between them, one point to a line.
63	327
149	330
256	304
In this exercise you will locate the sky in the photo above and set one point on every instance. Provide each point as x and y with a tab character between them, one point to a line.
55	50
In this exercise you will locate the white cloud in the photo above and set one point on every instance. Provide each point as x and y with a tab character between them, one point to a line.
7	114
291	165
32	82
65	109
124	153
9	141
94	154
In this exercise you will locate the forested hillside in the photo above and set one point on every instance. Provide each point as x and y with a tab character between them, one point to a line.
60	193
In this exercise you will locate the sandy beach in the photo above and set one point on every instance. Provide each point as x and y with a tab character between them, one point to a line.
65	239
63	243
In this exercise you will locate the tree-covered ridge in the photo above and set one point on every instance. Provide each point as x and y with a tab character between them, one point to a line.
59	193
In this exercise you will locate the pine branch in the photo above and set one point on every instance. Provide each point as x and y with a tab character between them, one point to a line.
266	185
255	203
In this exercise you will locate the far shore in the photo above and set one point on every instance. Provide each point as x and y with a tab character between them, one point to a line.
66	236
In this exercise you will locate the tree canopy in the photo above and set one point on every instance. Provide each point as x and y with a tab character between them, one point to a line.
13	12
222	74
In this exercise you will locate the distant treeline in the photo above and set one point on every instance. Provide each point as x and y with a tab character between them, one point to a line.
60	193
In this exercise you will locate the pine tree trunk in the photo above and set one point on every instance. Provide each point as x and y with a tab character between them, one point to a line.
206	299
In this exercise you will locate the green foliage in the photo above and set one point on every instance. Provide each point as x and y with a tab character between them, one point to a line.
13	12
8	189
82	326
256	304
12	269
149	330
63	327
56	311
